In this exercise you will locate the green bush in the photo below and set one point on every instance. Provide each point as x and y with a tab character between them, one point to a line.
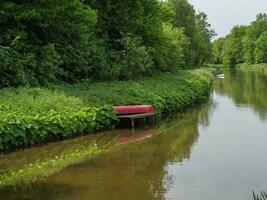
166	92
133	60
31	116
261	48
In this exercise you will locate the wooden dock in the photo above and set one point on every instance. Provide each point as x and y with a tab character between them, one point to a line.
132	117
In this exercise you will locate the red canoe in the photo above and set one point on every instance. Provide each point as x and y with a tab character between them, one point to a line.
126	110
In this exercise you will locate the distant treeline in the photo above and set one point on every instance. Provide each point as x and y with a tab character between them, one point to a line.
245	44
44	41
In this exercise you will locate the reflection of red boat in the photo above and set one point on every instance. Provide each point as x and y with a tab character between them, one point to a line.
138	109
122	140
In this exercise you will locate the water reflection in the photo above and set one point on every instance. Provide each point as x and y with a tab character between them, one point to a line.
20	159
246	88
215	152
133	137
133	171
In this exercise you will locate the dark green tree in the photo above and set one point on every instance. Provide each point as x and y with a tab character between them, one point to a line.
48	40
142	19
254	31
217	47
233	47
196	28
205	34
261	48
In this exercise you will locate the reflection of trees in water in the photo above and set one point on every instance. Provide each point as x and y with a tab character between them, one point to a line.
135	171
246	88
17	160
36	192
138	171
206	112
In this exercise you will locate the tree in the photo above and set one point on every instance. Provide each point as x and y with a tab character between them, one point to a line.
254	31
43	41
233	49
217	48
141	19
185	18
176	43
261	48
205	34
49	40
196	28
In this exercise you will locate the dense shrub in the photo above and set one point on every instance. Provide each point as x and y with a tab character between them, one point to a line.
34	116
166	92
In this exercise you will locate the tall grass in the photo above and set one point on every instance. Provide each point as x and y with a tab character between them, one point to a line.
261	196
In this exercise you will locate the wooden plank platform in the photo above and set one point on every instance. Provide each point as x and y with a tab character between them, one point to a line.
138	116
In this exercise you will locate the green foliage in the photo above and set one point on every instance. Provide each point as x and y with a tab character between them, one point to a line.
196	28
254	31
51	41
12	72
132	30
133	61
33	116
166	92
261	48
204	35
174	49
45	41
217	50
245	44
233	52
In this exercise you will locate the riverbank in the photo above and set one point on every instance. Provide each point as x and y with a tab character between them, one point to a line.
253	67
33	116
32	166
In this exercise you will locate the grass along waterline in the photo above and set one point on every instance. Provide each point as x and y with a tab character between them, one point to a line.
32	116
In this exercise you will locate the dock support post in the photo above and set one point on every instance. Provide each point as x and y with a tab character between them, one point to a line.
132	122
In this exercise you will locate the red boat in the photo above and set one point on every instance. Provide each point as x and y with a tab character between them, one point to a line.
135	109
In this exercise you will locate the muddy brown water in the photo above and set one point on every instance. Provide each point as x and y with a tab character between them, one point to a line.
215	152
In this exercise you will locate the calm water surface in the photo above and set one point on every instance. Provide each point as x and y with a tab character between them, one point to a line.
217	152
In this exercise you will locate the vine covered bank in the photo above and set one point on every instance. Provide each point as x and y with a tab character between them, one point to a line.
32	116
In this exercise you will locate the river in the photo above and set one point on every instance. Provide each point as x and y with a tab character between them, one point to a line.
217	151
